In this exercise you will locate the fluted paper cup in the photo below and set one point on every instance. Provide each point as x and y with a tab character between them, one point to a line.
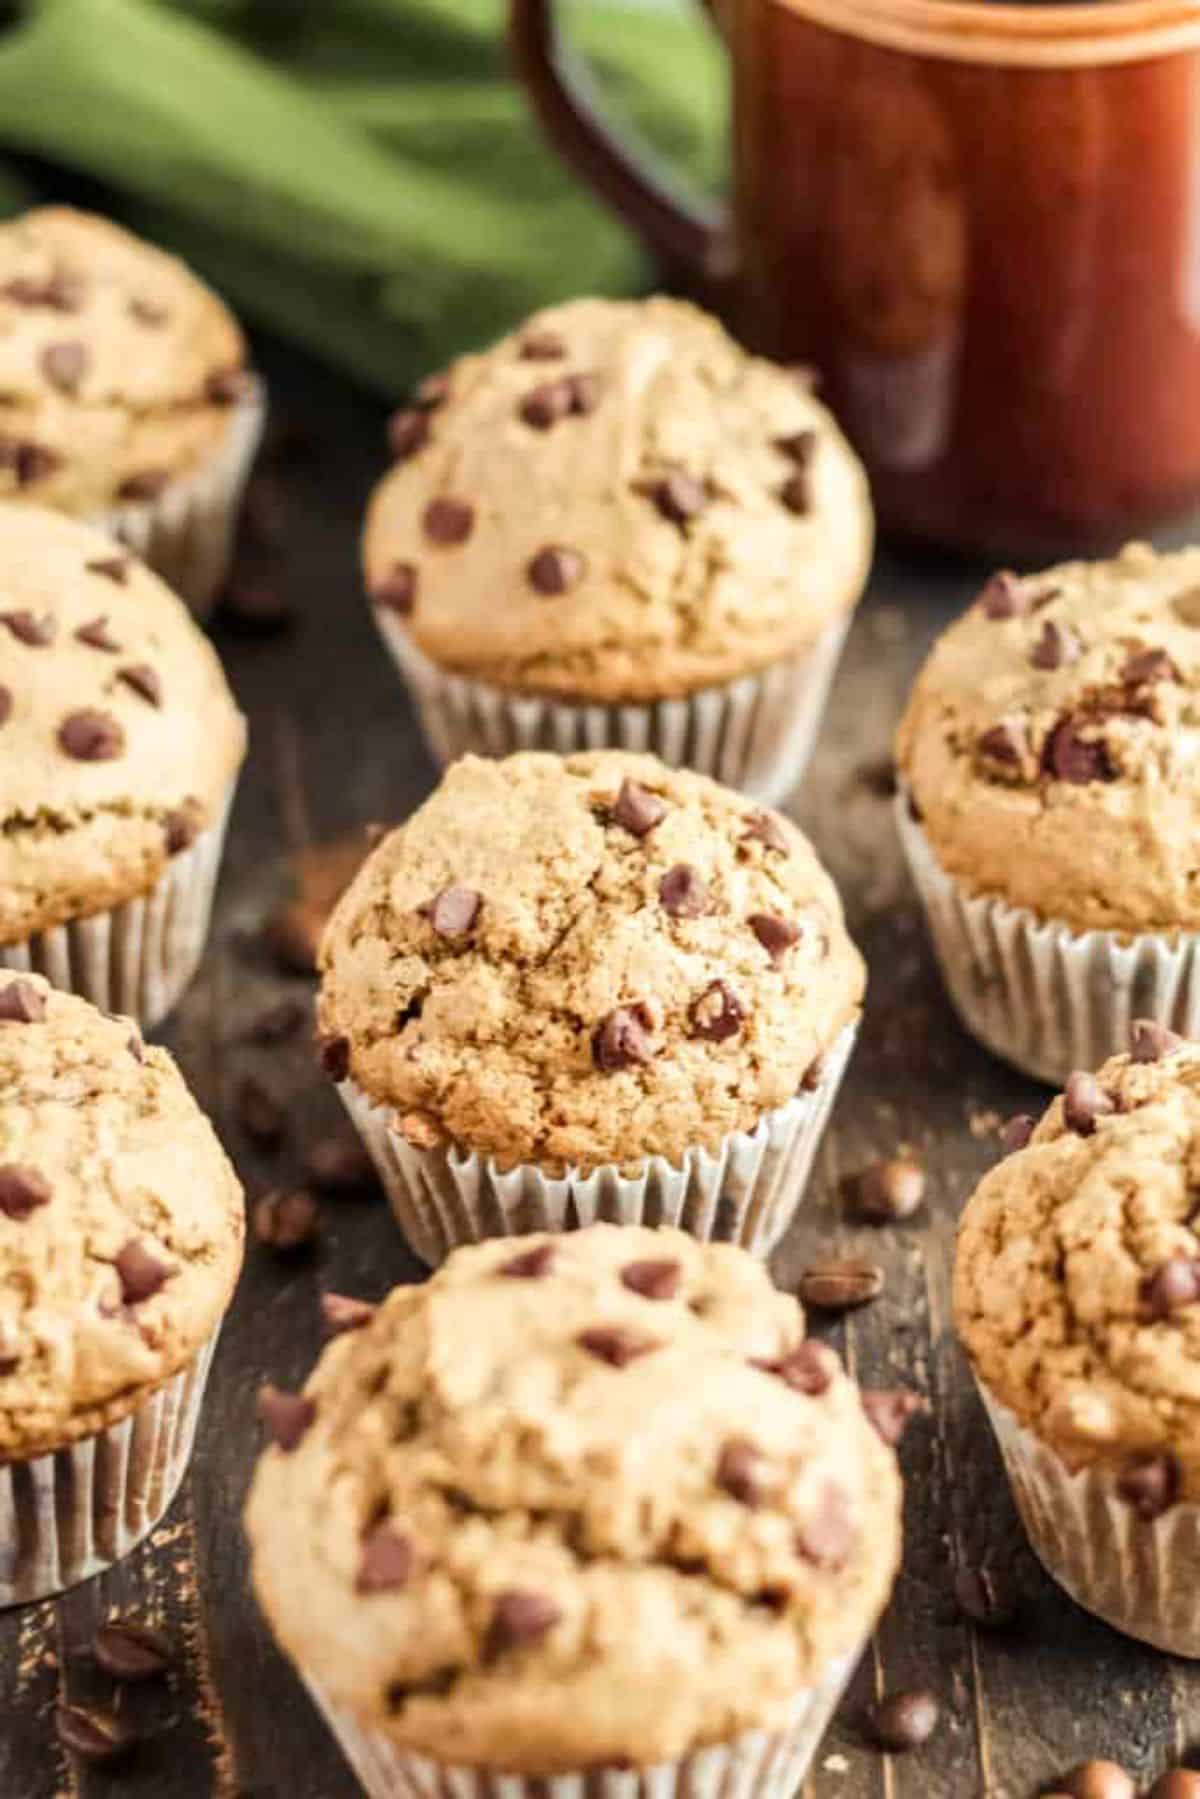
755	734
71	1514
137	958
761	1764
1040	995
1138	1575
745	1192
186	532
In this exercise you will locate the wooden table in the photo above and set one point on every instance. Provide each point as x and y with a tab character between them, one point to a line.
333	745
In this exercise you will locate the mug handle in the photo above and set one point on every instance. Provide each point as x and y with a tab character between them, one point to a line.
687	233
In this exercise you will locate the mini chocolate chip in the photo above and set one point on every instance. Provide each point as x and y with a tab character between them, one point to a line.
889	1190
584	393
984	1598
287	1417
341	1314
796	493
334	1055
903	1721
652	1280
148	312
808	1368
891	1410
22	1190
542	346
609	1343
22	1003
144	681
1056	647
1099	1780
60	292
1003	597
556	569
276	1024
519	1619
408	432
620	1041
64	365
6	705
1016	1133
1150	1484
716	1014
636	809
29	461
96	1736
678	496
447	521
1067	756
97	636
799	446
113	568
682	893
91	736
140	1272
181	827
454	911
387	1561
1150	1041
544	405
146	484
29	629
768	829
1174	1284
339	1165
1003	743
225	387
130	1651
286	1222
777	935
397	590
813	1075
1084	1101
1146	667
828	1534
837	1284
531	1264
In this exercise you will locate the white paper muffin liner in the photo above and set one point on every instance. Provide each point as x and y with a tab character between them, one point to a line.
755	734
1138	1576
137	958
762	1764
1042	996
69	1515
186	533
746	1192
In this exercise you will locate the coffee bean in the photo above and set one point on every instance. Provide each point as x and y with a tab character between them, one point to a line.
64	364
1147	667
652	1280
621	1041
1056	647
777	935
531	1264
1150	1041
36	630
277	1024
1149	1484
519	1619
22	1003
140	1273
837	1285
889	1191
408	432
637	810
1003	597
739	1472
984	1597
556	570
146	484
542	346
286	1417
22	1190
1174	1284
91	736
131	1651
1068	756
339	1165
716	1014
97	636
95	1736
1016	1133
454	911
387	1561
144	681
1085	1101
891	1410
609	1343
334	1056
447	521
1099	1780
904	1721
286	1222
259	1113
682	893
1177	1783
768	829
811	1367
341	1314
678	496
113	568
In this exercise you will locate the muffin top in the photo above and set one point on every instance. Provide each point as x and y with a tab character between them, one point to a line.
120	1219
585	959
117	366
119	736
575	1500
1051	742
1077	1281
617	503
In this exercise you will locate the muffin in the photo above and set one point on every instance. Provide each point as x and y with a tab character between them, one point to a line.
585	1509
589	987
126	400
121	746
120	1243
617	530
1077	1296
1050	810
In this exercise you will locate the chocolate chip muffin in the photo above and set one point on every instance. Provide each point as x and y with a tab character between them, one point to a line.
120	1242
126	396
584	1503
1049	806
1077	1296
121	745
615	528
586	987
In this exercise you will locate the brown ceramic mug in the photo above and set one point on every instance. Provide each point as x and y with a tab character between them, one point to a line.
979	220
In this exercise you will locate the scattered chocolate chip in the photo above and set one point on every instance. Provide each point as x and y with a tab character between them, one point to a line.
1145	668
277	1024
813	1075
59	292
678	496
96	1736
800	447
1150	1484
339	1165
22	1003
387	1561
287	1417
809	1368
637	810
146	484
22	1190
828	1534
397	590
796	493
1003	743
259	1113
890	1190
151	313
531	1265
1068	756
891	1410
904	1721
1174	1284
584	393
777	935
1016	1133
10	1347
652	1280
145	681
984	1597
1084	1101
544	405
6	705
609	1343
286	1222
519	1619
91	736
621	1041
140	1272
181	827
682	893
739	1471
113	568
1056	647
542	346
768	829
1099	1780
28	628
334	1055
97	636
255	605
130	1651
446	521
556	570
1003	597
716	1014
838	1284
64	365
341	1314
225	387
1150	1041
408	432
454	911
